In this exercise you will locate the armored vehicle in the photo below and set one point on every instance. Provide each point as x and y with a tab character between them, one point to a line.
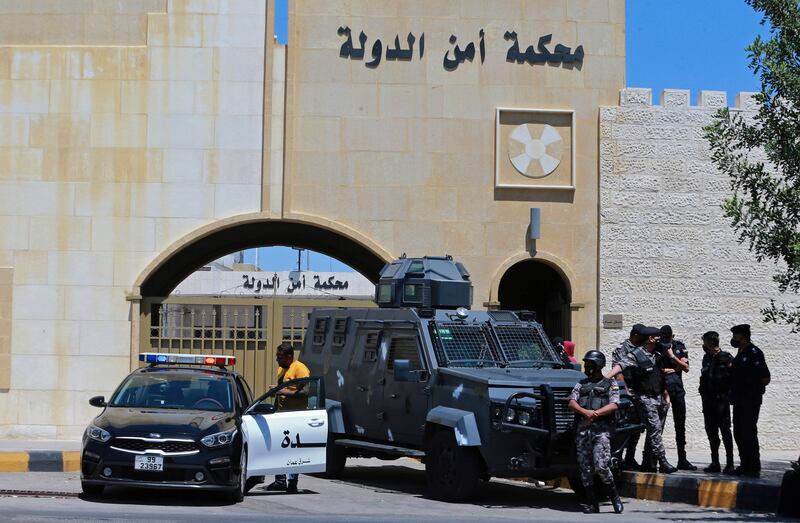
473	394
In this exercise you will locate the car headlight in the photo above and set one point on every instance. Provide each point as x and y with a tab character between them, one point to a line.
510	415
219	439
524	417
97	434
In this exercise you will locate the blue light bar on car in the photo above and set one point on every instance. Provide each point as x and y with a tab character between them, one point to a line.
160	358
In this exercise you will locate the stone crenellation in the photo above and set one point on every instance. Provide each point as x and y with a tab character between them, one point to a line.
669	256
681	99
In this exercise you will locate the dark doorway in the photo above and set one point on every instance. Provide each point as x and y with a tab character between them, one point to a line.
536	286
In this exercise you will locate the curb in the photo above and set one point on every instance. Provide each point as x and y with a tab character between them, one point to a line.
40	461
719	493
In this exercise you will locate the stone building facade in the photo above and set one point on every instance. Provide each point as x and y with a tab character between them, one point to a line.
669	256
140	139
123	126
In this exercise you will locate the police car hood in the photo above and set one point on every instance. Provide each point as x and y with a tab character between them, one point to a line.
127	421
518	377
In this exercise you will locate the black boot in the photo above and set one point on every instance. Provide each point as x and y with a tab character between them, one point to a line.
278	485
648	463
592	506
683	463
630	463
614	497
291	487
664	467
714	467
729	468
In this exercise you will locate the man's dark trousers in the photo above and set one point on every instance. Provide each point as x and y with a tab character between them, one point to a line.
745	432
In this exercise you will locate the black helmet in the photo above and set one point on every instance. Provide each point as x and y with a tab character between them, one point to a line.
596	357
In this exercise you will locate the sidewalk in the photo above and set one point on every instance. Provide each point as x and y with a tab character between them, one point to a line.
695	488
39	456
710	490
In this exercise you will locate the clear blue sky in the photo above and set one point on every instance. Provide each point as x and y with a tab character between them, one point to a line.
671	44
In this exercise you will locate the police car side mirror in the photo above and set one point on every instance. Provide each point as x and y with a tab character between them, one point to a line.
97	401
262	408
575	366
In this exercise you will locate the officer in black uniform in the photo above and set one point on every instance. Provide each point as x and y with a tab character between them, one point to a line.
675	362
714	390
749	378
594	400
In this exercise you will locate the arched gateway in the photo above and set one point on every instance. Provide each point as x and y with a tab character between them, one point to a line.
247	327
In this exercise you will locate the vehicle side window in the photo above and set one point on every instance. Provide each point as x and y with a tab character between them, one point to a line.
404	348
367	352
243	393
300	394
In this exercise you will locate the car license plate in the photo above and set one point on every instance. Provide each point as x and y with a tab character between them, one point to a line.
149	463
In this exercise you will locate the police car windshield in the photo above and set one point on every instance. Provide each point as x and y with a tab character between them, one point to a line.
179	391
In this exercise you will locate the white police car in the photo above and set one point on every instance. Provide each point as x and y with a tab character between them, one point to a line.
187	422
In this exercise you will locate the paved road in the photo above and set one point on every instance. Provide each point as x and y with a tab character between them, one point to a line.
370	491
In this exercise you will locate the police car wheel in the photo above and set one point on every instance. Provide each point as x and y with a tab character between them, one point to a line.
237	495
452	471
91	490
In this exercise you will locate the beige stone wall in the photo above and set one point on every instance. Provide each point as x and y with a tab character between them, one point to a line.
6	282
115	141
669	256
404	153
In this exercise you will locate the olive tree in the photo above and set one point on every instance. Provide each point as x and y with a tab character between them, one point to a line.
761	154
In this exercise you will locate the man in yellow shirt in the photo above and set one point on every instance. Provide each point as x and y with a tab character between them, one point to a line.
289	398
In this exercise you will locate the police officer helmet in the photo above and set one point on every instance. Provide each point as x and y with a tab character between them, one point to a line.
596	357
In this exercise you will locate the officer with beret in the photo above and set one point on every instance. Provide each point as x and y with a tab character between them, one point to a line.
675	361
595	399
749	378
647	383
634	340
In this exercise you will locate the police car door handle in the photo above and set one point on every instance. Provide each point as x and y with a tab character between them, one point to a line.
316	422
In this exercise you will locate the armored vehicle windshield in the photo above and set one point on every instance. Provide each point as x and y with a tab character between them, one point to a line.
491	344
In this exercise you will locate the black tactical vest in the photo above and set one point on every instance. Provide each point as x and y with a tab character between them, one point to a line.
594	394
647	376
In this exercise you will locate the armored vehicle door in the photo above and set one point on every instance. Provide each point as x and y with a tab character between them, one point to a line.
405	393
362	387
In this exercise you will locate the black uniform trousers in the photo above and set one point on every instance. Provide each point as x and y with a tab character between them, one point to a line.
677	398
745	431
717	420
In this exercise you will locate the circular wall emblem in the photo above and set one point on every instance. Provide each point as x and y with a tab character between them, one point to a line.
535	149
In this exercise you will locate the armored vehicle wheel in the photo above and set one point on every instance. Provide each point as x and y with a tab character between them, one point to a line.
452	471
335	459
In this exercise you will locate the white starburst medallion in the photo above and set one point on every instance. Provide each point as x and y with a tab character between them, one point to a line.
535	149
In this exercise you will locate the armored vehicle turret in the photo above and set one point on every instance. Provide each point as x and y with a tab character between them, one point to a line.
474	394
428	282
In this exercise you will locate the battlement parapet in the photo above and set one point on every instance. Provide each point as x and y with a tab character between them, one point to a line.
681	99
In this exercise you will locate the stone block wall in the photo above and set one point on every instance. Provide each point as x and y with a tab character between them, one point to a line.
669	256
115	141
